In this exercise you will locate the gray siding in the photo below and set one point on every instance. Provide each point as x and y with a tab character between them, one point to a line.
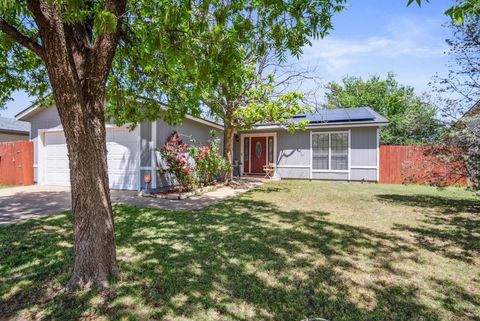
44	118
363	174
9	137
294	172
330	176
146	144
191	132
293	154
364	146
293	149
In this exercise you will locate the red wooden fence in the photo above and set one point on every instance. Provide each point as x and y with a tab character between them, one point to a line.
16	163
399	164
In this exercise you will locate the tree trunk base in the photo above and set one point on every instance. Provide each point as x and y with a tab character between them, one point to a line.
78	281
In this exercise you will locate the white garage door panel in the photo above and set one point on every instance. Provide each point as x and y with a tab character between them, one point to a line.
122	157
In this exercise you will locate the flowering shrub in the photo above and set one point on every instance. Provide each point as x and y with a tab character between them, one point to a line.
209	163
175	153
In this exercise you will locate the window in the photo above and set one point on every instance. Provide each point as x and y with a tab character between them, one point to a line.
339	151
330	151
270	149
258	149
246	149
320	151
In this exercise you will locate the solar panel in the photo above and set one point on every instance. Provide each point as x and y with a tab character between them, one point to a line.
340	115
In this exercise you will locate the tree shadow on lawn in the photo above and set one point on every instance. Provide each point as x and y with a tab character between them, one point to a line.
240	260
450	226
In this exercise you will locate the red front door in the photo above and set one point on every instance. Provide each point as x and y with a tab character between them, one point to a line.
258	154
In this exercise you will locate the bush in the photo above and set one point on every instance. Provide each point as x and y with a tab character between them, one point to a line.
180	164
209	163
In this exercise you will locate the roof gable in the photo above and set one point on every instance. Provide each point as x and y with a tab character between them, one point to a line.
10	125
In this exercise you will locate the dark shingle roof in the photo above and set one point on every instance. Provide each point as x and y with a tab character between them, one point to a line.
342	115
362	115
10	125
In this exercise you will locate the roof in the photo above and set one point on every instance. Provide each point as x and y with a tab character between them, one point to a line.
35	108
10	125
364	116
473	111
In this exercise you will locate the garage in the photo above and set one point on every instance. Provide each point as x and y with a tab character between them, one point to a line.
122	156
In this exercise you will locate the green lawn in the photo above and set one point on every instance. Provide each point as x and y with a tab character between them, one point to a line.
285	251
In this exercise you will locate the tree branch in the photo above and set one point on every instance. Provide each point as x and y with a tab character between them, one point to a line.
20	38
106	43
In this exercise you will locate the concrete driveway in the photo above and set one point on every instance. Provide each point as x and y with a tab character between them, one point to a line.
25	202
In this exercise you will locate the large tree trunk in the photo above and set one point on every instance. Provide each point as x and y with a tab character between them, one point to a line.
95	258
228	136
78	69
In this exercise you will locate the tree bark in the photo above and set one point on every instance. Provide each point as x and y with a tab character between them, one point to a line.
228	136
78	69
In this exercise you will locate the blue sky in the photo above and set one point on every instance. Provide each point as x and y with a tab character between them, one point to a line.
370	37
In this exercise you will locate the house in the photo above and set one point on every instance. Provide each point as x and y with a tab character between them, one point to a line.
12	130
130	153
339	144
472	117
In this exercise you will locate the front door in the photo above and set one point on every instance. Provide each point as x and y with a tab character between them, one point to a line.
258	154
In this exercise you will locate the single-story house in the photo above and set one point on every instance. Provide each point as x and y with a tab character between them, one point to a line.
130	153
12	130
339	144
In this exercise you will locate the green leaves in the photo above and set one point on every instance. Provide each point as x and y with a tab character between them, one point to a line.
412	119
105	21
462	10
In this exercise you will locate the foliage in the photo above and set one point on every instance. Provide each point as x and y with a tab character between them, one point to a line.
459	89
399	252
461	12
458	154
412	118
178	56
179	162
458	94
209	163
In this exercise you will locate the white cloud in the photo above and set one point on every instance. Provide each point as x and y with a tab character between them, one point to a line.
401	40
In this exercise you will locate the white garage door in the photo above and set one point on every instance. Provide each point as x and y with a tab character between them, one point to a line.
122	156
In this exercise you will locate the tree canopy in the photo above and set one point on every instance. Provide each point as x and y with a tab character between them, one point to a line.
147	59
412	119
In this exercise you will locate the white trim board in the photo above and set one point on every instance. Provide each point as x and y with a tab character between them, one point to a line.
363	167
326	126
293	166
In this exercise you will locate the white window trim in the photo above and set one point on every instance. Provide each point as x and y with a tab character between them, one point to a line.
249	136
330	170
154	157
378	154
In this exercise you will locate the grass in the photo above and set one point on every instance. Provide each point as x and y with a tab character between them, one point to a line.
5	186
285	251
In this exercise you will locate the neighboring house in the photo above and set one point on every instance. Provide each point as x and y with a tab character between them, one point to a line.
338	144
131	153
12	130
472	117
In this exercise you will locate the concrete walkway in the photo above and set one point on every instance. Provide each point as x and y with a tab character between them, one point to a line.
25	202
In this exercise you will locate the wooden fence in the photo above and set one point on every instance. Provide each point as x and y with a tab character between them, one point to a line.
16	163
403	164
